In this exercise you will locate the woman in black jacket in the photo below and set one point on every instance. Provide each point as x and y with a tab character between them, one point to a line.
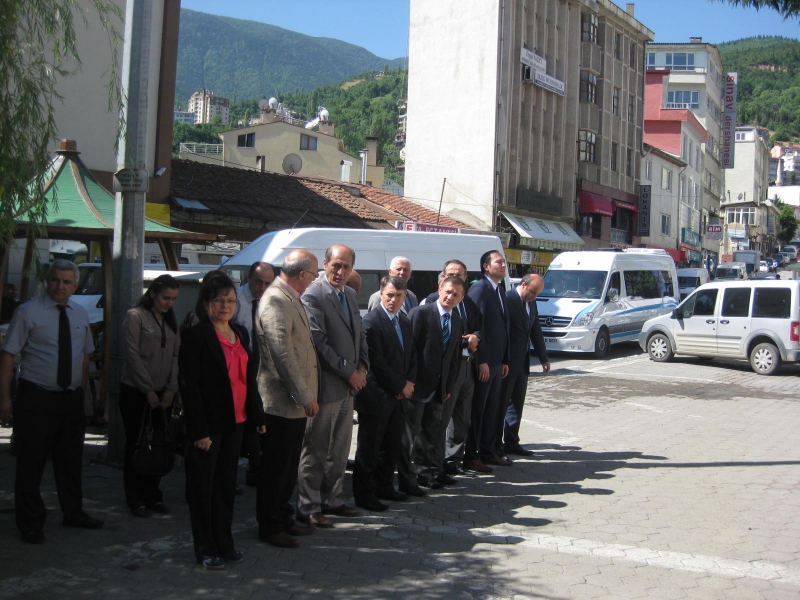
218	387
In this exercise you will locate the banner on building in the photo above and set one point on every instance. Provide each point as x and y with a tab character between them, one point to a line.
532	59
771	225
427	227
714	232
549	83
644	210
729	120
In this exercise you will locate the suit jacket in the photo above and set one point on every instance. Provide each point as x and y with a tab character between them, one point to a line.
375	300
437	368
473	324
391	365
340	347
494	319
206	386
288	374
522	331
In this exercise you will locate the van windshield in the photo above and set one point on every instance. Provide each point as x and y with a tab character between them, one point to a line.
91	282
691	282
574	284
725	273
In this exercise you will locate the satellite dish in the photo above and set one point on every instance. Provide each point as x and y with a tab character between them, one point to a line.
324	114
273	103
292	164
263	104
739	197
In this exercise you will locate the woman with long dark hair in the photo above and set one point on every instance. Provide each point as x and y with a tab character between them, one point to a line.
220	397
150	343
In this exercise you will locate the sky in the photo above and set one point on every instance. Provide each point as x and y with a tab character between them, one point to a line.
381	26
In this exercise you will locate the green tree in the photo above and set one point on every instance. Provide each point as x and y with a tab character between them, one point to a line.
38	48
788	223
786	8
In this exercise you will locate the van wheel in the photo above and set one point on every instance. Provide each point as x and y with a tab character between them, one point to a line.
765	359
601	344
659	348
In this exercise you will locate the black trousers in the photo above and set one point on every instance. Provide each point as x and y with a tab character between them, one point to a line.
211	487
377	450
280	459
140	489
517	386
485	403
43	422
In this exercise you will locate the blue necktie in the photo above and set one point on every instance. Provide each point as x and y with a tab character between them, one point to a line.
446	330
407	304
399	333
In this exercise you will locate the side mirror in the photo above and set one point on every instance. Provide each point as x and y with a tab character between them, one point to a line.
613	295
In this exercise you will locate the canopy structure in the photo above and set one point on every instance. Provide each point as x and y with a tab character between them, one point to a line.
591	203
543	233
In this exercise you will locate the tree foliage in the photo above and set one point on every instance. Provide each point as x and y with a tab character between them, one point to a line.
788	223
788	9
37	50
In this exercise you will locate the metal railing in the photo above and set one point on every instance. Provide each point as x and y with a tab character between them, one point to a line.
620	236
192	148
680	105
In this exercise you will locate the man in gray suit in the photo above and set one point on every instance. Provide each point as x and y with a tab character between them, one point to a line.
341	345
399	267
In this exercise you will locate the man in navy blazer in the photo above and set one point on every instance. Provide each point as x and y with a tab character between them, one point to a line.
437	343
524	328
393	363
487	406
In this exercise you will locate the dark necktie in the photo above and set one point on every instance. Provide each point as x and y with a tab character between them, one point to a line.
253	339
407	303
343	300
399	333
446	330
463	312
64	377
500	296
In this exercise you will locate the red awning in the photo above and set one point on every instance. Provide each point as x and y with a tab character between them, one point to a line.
626	206
677	255
595	204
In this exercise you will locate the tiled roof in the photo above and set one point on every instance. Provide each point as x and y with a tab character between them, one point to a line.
411	211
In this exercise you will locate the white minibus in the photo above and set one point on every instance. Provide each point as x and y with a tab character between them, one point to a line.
594	299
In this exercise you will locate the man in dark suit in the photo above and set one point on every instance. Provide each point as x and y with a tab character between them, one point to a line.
342	349
393	362
489	296
400	267
437	343
524	328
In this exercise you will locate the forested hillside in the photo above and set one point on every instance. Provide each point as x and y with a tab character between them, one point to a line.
245	59
769	82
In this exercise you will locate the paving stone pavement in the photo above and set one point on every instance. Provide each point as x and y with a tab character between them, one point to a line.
649	480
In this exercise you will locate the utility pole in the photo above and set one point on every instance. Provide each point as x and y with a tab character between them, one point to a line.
130	184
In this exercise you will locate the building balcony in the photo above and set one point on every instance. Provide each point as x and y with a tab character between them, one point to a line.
192	148
621	236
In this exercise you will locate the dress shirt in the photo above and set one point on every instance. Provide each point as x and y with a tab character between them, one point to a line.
148	366
295	294
392	316
499	292
236	361
33	334
442	312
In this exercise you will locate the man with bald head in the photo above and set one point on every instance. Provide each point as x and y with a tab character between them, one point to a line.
524	329
399	267
341	345
288	381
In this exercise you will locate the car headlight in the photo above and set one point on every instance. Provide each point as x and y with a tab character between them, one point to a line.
584	319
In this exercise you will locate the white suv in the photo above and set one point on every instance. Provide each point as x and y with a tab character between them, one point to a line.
755	320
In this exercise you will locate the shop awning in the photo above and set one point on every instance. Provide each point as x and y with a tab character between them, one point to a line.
543	233
626	206
595	204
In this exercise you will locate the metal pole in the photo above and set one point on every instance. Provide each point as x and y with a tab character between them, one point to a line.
441	197
128	261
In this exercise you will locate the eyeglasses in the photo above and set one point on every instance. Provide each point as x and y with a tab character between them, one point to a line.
314	274
222	301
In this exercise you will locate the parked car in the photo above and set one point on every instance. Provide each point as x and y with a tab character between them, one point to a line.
791	252
780	259
767	276
751	320
763	267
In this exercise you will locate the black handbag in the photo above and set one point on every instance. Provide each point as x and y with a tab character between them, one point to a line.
153	455
176	429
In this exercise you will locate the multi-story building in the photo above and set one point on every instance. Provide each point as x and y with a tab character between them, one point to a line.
784	164
514	108
206	105
674	132
695	82
183	116
746	213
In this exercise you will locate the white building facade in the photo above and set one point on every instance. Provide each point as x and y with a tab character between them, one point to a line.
206	105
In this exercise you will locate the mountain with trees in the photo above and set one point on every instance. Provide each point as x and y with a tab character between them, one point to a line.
769	82
238	59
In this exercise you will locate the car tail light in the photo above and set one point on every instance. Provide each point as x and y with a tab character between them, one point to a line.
794	333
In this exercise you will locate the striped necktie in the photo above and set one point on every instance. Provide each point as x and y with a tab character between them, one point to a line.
446	331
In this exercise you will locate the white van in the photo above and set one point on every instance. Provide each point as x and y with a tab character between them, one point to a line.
731	271
791	251
594	299
689	279
374	250
755	320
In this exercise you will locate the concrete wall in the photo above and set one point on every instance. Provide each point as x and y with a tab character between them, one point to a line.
662	202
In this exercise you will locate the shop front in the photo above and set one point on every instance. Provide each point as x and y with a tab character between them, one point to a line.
521	262
539	241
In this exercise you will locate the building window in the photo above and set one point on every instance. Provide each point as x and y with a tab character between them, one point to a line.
617	45
681	188
308	142
615	102
648	170
740	136
665	224
586	145
683	99
588	87
651	60
589	26
590	226
666	179
629	162
631	108
246	140
680	61
632	51
614	153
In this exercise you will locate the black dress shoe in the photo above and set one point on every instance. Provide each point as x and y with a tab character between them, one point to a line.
423	481
445	479
32	536
518	451
280	539
83	520
340	511
298	529
414	490
392	495
500	461
160	508
141	512
371	503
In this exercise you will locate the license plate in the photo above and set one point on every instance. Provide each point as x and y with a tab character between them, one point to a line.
548	340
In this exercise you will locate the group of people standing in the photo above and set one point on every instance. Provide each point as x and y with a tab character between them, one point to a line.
274	370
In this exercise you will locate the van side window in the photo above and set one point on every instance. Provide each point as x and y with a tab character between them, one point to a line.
700	305
772	303
614	285
669	284
644	284
736	302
